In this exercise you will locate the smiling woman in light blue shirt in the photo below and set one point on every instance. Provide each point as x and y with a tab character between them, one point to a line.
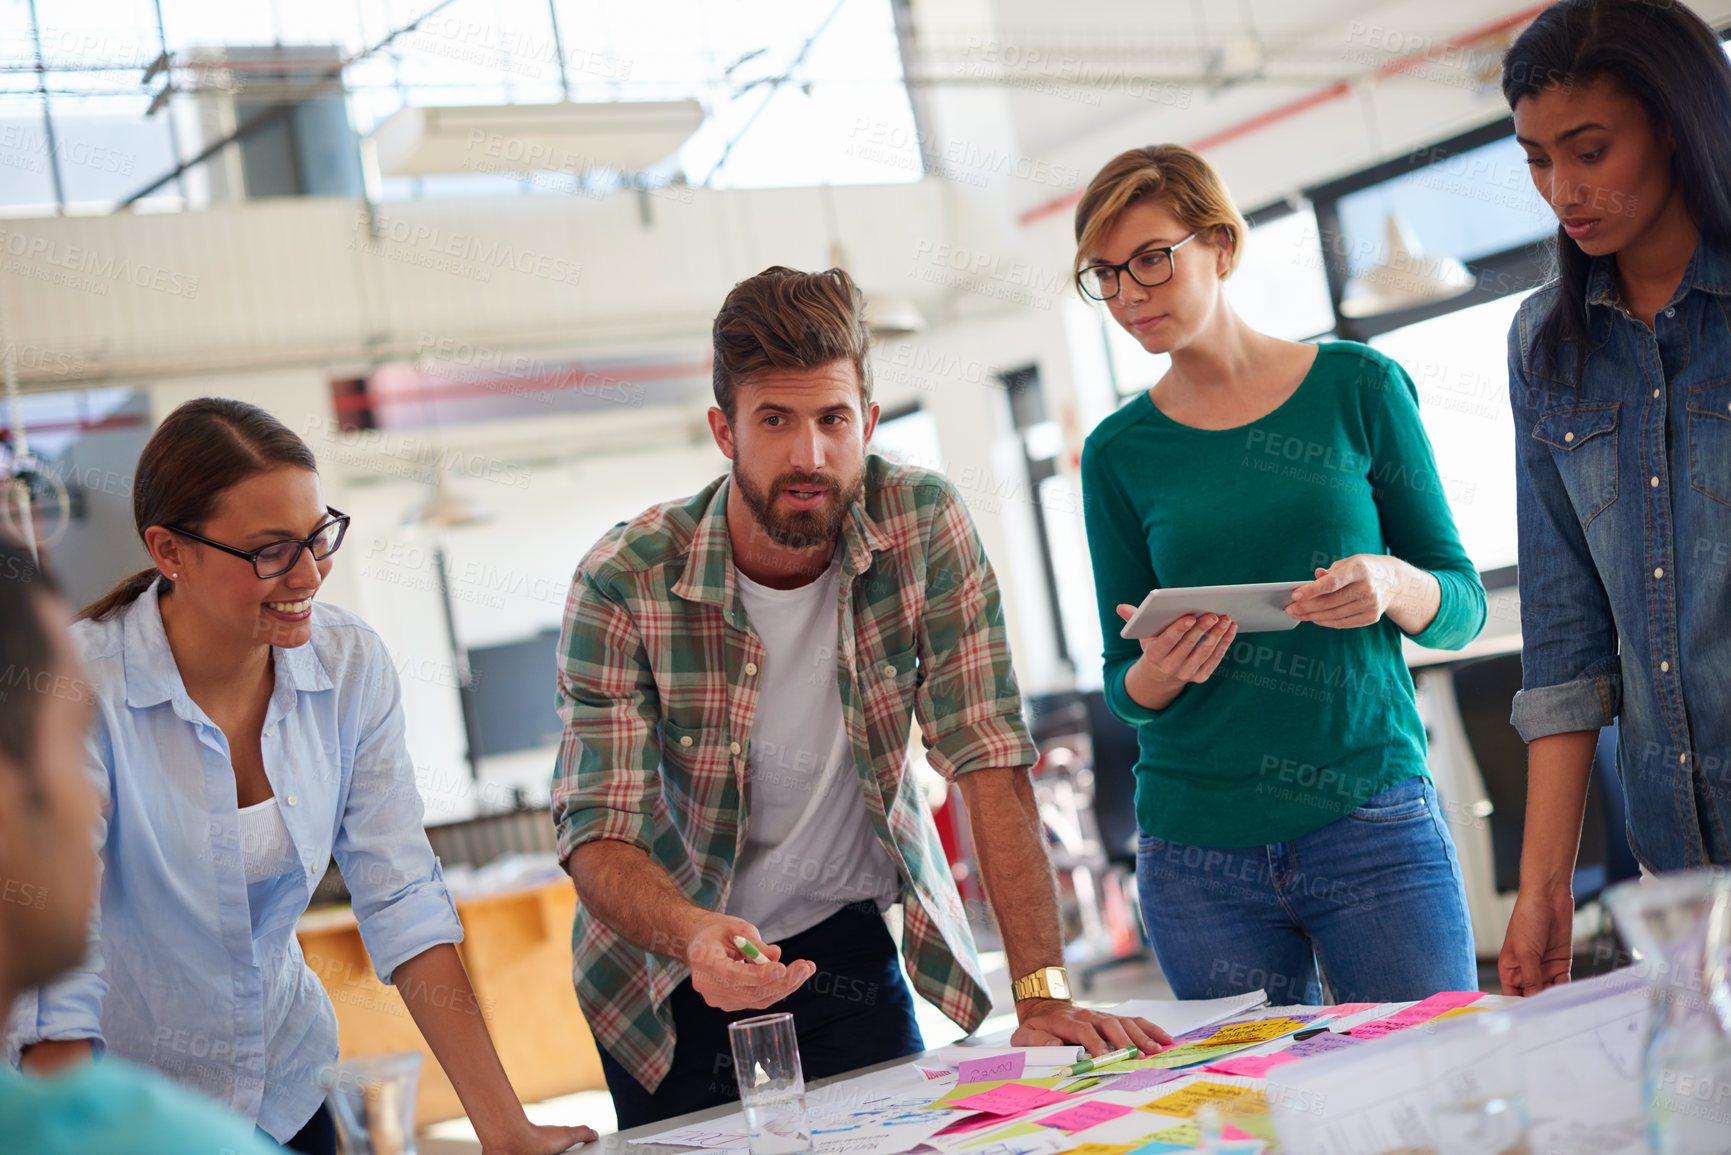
244	734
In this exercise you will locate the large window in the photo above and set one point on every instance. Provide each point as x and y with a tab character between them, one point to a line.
793	92
1459	362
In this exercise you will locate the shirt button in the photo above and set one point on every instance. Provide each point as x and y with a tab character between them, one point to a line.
1568	437
889	671
1655	392
751	669
1670	312
293	801
1658	572
734	746
1653	481
1682	759
685	740
1664	667
270	733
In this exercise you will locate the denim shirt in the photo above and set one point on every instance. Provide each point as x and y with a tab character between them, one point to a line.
1624	508
191	970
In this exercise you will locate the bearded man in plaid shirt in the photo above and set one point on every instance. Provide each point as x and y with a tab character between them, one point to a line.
739	674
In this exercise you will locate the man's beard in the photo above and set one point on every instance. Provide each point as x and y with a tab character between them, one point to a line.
800	528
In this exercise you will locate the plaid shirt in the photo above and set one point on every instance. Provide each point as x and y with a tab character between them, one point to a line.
658	714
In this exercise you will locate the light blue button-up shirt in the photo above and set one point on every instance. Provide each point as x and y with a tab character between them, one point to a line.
191	970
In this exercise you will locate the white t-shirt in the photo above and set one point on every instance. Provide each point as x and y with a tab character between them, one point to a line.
810	848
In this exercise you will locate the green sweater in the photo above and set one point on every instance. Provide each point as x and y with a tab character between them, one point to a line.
1295	728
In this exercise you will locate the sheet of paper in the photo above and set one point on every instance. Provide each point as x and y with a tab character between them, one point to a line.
1183	1104
1083	1116
1581	1046
991	1067
1038	1141
1420	1012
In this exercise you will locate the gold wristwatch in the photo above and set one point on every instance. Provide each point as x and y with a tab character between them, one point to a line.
1045	983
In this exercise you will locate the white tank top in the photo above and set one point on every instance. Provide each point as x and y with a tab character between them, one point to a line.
266	850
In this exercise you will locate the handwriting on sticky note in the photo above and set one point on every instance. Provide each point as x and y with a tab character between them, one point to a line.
994	1067
1321	1045
1421	1012
1183	1104
1010	1099
1257	1032
1083	1116
1251	1066
1189	1135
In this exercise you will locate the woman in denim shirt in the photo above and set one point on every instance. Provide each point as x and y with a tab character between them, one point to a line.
1620	380
245	733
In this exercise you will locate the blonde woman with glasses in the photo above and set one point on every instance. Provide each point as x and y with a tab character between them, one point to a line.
1290	834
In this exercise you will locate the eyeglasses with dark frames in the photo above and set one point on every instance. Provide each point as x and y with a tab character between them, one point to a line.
277	558
1150	268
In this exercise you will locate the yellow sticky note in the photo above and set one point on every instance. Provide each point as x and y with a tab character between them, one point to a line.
1098	1149
1183	1104
1258	1032
1189	1134
1458	1012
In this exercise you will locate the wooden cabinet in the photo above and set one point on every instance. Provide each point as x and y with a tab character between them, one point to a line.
517	949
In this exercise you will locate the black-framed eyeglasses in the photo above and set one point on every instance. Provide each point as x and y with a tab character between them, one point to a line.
277	558
1151	268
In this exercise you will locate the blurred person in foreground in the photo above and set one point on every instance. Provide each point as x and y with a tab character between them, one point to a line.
48	882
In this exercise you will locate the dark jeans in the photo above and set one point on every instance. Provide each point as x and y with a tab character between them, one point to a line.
318	1137
855	1011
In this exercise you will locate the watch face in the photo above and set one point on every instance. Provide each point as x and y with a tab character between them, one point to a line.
1058	982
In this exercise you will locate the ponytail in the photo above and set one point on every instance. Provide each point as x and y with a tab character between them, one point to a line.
128	591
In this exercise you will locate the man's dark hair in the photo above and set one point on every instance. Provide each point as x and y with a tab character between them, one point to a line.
26	651
785	319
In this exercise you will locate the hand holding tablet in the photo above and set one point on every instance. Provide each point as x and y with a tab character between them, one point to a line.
1253	608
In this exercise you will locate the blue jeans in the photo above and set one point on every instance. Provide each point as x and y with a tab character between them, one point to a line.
1374	899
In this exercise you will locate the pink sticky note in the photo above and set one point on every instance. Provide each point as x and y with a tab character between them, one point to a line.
976	1122
1421	1012
1345	1009
994	1067
1010	1099
1083	1116
1142	1080
1251	1066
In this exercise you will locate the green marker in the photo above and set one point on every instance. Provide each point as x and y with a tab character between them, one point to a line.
749	951
1105	1060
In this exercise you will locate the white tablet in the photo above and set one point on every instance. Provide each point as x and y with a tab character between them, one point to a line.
1257	608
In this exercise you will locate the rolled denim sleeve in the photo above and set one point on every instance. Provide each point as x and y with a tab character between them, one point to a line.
70	1007
968	704
1571	677
606	779
399	894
